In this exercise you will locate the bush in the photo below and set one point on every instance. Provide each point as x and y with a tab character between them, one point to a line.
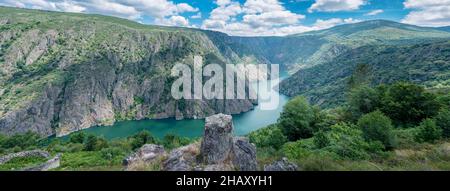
428	131
22	141
443	122
321	140
171	141
296	118
142	138
408	104
270	136
347	142
78	137
362	100
93	143
377	127
405	103
111	153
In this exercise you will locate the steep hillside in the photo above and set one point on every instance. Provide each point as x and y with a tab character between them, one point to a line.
64	72
426	64
339	39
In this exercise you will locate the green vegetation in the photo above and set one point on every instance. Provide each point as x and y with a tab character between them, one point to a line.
373	131
329	83
82	151
377	127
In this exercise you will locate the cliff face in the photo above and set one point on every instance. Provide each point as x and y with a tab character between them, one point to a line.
61	72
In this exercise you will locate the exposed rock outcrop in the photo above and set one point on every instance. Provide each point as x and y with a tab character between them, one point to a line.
218	151
58	79
183	159
146	154
217	141
281	165
244	154
53	163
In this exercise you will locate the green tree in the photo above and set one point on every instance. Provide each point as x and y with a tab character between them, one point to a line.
296	118
362	100
21	141
377	127
428	131
408	104
77	137
141	139
443	122
90	143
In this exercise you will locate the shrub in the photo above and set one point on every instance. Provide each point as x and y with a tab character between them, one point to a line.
377	127
296	118
443	122
362	100
428	131
94	143
141	139
321	140
408	104
270	136
111	153
78	137
22	141
171	141
347	142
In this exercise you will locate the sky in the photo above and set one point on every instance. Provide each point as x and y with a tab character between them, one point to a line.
255	17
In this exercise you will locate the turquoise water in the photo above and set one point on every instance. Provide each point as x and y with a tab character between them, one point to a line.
243	123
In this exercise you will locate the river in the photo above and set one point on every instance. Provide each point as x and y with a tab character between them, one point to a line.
243	123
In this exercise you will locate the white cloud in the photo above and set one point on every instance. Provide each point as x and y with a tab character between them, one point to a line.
374	12
428	12
324	24
258	17
197	16
336	5
175	20
163	11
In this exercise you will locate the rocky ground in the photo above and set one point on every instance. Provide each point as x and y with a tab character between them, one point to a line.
218	150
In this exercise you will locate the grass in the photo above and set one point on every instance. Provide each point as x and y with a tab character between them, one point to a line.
89	161
21	162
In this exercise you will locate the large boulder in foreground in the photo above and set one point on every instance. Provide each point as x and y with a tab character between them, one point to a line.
145	155
217	140
220	149
244	154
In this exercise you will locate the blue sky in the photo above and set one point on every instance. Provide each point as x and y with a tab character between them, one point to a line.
255	17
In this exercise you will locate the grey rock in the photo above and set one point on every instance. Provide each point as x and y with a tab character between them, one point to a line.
53	163
281	165
217	140
244	154
182	159
33	153
146	154
218	167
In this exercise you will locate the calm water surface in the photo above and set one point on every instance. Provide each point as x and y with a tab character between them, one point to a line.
243	123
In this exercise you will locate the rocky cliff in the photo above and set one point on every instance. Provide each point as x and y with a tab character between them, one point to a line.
65	72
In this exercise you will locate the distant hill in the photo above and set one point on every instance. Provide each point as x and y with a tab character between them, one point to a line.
447	29
427	64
